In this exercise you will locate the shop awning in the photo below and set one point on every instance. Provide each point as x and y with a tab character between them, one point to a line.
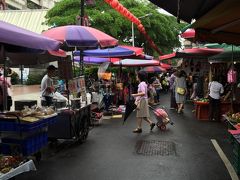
119	51
186	10
193	53
136	63
221	24
227	56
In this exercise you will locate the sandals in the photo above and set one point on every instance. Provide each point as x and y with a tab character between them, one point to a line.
138	130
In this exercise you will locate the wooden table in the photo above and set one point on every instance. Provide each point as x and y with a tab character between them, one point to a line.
202	109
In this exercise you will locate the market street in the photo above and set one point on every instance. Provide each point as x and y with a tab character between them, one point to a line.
112	151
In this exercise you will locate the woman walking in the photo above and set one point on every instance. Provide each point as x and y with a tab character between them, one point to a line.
142	103
180	90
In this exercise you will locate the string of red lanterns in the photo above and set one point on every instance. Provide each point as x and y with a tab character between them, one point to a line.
127	14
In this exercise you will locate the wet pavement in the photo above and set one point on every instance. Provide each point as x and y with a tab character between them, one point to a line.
183	152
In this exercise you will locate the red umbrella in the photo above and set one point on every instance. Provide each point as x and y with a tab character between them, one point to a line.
81	36
165	66
153	69
188	34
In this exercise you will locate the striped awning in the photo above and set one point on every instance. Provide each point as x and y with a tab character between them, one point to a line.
32	20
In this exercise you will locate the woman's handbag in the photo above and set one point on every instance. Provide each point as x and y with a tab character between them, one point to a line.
180	90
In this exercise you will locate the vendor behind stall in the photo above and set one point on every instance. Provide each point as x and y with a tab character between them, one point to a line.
47	88
215	89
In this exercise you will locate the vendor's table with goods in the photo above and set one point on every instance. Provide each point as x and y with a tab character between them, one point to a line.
233	120
23	134
21	167
202	109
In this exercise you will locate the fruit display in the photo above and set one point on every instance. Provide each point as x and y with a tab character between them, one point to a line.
234	117
9	162
203	100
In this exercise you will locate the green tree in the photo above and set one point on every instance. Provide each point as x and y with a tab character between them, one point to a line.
161	28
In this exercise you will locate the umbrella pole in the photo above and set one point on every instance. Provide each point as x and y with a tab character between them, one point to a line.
81	66
67	93
73	64
4	79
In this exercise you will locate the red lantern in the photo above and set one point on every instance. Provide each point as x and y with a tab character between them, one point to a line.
114	3
119	7
124	11
108	1
138	22
128	15
140	26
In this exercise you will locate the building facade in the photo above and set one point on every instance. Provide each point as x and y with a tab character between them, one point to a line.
29	4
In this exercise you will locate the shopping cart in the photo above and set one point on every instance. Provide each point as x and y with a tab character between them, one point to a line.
162	117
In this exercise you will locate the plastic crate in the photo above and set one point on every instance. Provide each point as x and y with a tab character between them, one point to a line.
15	126
26	146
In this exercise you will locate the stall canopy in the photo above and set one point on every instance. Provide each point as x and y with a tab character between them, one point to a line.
221	24
119	51
186	10
136	62
193	53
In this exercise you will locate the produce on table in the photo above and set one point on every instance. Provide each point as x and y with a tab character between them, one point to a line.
9	162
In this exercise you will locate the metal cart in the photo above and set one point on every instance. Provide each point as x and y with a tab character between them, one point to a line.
24	138
71	124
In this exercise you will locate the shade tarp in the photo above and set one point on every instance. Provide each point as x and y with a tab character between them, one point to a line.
221	24
136	62
19	37
119	51
186	10
193	53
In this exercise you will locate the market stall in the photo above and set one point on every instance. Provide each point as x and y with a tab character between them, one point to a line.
202	109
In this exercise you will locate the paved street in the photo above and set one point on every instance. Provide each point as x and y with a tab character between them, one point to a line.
112	151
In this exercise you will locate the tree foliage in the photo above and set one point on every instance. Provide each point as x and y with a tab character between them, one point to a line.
161	28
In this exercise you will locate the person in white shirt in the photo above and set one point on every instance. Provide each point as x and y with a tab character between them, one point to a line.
47	88
215	90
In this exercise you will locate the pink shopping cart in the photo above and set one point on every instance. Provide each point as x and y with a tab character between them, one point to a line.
162	118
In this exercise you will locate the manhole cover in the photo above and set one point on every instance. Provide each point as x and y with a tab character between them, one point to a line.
153	147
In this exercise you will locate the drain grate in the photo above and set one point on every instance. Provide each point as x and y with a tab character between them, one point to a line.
153	147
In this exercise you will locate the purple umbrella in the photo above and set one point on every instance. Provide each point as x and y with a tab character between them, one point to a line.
92	60
19	37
